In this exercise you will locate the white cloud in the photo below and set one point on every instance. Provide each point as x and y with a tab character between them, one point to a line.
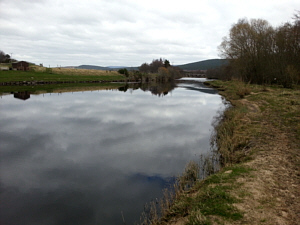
124	32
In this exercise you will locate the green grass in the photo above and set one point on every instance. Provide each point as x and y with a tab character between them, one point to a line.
280	107
29	76
216	201
210	198
219	178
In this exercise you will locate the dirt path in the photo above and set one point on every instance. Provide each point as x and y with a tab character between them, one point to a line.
273	190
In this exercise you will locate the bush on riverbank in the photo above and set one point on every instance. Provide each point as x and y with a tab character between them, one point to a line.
158	70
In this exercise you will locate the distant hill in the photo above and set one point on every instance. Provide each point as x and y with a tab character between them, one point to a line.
117	67
201	65
204	65
91	67
132	68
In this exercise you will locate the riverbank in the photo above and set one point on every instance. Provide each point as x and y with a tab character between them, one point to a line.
259	139
38	75
58	76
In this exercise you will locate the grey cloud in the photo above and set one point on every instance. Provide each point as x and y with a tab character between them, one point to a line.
124	32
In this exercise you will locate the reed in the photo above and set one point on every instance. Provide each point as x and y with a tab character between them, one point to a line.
173	203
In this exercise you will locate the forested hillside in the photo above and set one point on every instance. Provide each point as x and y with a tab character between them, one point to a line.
91	67
204	65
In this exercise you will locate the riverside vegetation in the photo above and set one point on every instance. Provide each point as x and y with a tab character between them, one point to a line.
258	183
157	71
257	138
258	53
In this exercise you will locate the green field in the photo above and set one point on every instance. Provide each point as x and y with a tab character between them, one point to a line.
63	75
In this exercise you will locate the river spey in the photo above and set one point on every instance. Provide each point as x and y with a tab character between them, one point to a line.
97	157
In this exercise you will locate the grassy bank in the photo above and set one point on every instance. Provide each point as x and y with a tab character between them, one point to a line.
59	75
259	140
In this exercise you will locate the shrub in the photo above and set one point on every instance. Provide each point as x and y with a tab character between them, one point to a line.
123	71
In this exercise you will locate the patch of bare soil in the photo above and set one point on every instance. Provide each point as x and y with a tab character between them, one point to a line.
180	221
272	194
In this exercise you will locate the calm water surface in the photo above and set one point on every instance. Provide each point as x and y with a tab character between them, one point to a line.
89	157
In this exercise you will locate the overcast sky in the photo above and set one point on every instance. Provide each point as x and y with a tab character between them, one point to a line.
126	32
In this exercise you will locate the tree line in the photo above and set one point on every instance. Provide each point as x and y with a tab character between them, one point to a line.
158	70
4	58
154	66
259	53
162	68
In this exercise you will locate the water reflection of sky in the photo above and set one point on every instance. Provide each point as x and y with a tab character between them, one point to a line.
88	157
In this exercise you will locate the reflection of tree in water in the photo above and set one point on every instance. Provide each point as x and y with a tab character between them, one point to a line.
196	86
159	89
131	86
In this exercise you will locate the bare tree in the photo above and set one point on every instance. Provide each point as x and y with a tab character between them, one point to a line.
259	53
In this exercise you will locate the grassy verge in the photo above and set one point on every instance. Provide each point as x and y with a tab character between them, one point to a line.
258	140
209	199
273	104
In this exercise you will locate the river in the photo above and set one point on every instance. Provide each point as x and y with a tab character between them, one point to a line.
98	156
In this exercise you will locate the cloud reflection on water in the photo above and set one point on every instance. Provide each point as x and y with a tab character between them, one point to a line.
86	157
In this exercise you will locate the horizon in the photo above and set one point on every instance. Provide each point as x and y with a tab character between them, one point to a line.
118	67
